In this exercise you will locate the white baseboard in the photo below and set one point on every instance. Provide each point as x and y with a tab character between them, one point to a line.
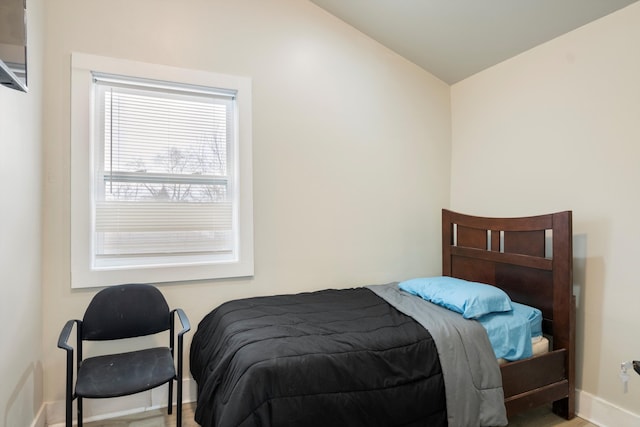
602	413
40	419
589	407
100	409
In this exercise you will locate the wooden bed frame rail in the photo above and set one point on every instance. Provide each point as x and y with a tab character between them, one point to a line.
531	259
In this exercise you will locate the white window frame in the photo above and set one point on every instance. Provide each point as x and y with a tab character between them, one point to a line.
83	273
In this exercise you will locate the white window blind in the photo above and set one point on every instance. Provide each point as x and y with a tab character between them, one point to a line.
164	188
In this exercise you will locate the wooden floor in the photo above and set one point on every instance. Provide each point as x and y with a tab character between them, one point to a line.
542	417
156	418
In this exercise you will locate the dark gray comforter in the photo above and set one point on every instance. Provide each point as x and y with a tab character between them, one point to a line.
328	358
350	357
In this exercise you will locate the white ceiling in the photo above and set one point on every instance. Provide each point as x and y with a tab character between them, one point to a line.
454	39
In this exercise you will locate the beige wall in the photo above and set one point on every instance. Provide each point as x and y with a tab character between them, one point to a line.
351	145
351	163
20	237
558	128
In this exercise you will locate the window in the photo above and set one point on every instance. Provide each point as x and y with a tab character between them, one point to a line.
161	183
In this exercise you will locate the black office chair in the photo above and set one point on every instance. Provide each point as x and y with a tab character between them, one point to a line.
117	312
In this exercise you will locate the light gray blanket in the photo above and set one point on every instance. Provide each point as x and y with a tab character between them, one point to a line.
472	379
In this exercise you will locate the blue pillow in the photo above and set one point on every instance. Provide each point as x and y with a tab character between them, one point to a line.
471	299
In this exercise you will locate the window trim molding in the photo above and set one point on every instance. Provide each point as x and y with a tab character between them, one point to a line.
82	171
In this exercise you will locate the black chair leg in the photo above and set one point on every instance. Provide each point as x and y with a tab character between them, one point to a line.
170	405
179	404
79	411
68	415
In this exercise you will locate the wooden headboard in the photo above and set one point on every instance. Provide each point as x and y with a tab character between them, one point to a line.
531	259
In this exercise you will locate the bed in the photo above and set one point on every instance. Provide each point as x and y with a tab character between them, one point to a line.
378	356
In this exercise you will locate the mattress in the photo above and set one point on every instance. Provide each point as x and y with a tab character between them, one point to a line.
539	345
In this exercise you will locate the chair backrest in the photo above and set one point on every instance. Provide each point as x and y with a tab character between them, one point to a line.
125	311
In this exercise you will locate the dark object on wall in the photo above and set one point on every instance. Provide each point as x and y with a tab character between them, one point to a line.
117	312
13	44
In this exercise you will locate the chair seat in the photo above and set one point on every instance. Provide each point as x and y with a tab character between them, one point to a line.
121	374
